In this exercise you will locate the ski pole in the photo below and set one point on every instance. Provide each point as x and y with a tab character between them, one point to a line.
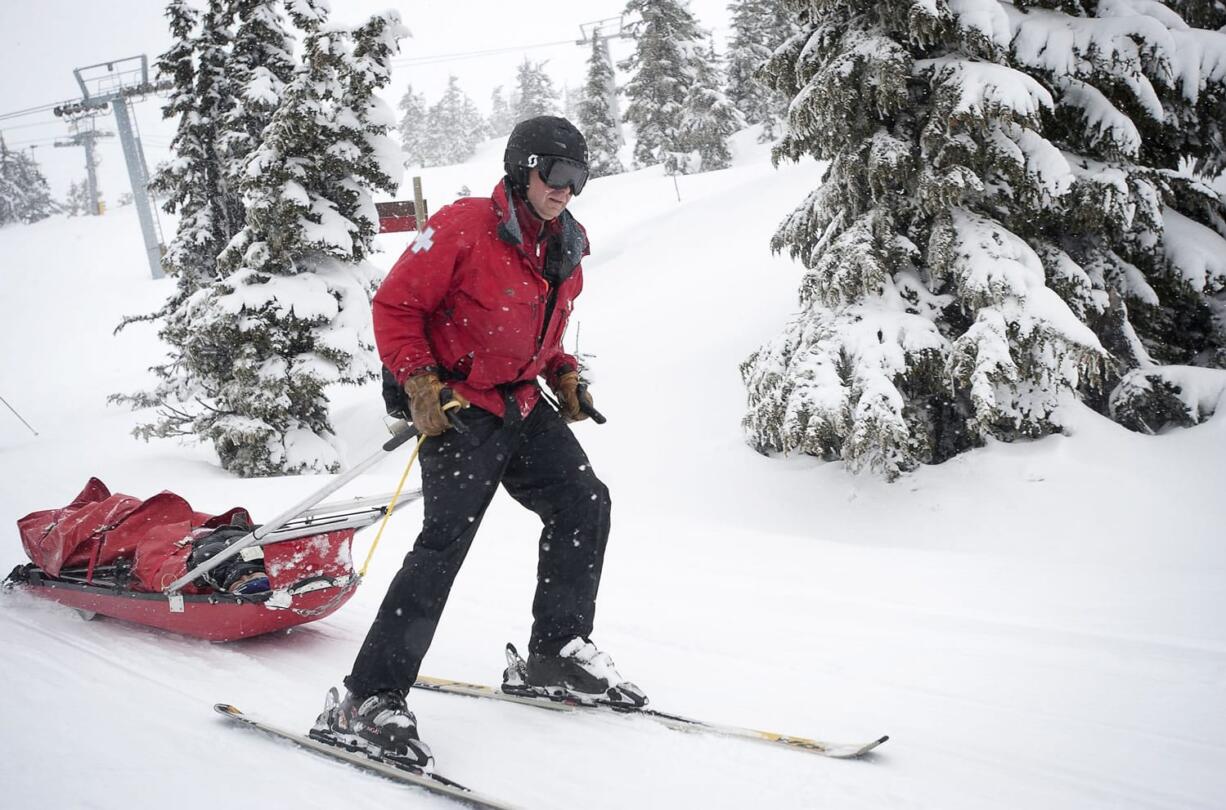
450	406
587	407
590	410
14	410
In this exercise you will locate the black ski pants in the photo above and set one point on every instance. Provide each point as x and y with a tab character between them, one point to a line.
540	463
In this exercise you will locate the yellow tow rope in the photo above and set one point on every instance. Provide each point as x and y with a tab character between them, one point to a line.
396	496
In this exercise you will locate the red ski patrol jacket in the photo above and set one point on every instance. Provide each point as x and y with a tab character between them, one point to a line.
483	295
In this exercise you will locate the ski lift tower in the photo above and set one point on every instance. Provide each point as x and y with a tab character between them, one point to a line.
596	30
118	83
84	133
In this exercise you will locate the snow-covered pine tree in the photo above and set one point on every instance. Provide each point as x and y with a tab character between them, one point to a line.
78	203
1210	100
412	127
24	194
572	100
454	127
293	312
193	182
665	37
259	66
596	118
328	140
709	117
1000	205
759	27
1208	14
1166	272
257	349
502	119
39	202
534	92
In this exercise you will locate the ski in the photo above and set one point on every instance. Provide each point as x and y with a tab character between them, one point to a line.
673	721
403	774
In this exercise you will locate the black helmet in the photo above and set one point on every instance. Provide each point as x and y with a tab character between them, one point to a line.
545	136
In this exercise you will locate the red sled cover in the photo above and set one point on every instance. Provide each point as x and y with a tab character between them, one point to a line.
98	528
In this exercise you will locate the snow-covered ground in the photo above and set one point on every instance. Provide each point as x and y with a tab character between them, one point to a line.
1038	625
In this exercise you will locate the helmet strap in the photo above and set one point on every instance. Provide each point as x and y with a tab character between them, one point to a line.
522	195
517	179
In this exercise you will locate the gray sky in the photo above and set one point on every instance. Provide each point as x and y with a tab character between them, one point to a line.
41	43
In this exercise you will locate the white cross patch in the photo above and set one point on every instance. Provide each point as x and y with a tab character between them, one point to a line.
424	241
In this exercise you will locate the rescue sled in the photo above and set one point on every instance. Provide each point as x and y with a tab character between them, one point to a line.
116	556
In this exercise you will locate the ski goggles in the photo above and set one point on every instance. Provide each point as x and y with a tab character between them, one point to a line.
560	172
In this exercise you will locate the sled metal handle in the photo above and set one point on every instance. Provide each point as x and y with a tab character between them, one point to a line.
352	505
254	537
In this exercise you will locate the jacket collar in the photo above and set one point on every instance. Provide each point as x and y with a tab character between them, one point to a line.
514	218
510	229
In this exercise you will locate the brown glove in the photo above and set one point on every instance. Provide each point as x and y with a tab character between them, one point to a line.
425	403
569	398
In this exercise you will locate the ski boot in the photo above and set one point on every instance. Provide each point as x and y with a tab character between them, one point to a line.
381	726
579	673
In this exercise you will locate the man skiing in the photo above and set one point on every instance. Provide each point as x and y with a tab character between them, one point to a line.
474	311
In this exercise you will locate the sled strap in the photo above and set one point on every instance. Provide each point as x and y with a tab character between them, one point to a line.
459	426
390	506
93	559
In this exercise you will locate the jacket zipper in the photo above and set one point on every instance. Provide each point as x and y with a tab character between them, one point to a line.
551	301
550	304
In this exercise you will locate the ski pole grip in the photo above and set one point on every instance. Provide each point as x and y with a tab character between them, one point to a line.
587	407
451	408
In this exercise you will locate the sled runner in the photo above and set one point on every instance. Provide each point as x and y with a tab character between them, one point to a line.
218	577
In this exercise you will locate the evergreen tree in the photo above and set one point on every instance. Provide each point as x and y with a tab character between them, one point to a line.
596	118
193	183
534	92
1002	223
454	127
709	117
759	27
413	132
572	100
502	119
666	37
24	194
78	203
308	15
1210	14
259	66
253	352
298	291
1210	121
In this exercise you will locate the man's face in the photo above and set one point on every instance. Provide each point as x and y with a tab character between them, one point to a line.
546	201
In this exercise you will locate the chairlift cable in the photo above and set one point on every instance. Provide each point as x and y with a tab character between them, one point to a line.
446	57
